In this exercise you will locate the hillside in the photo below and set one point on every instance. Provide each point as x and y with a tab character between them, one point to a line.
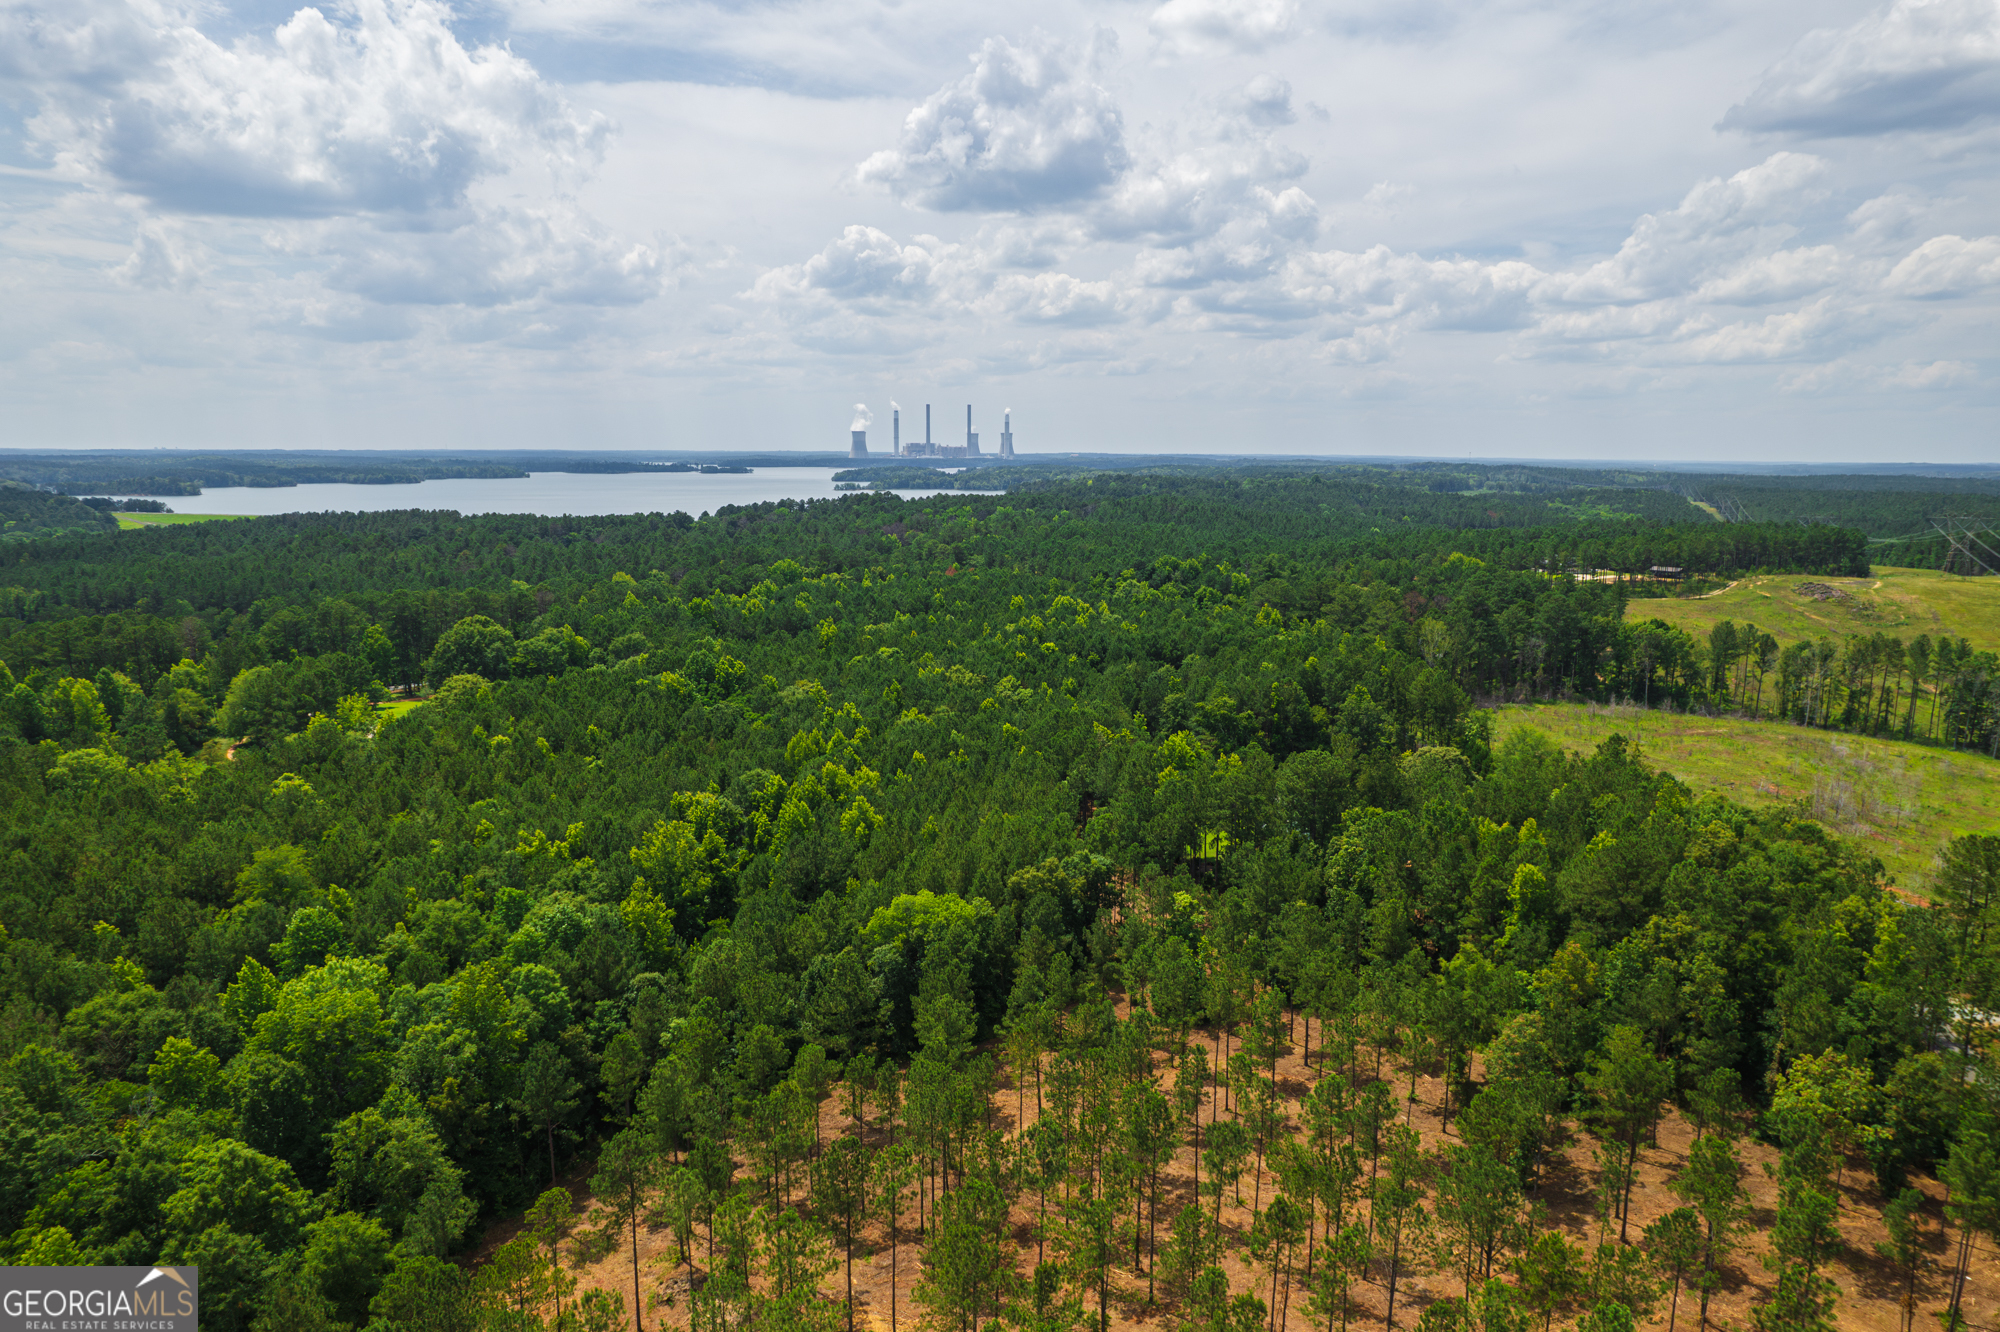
1899	800
1899	602
27	514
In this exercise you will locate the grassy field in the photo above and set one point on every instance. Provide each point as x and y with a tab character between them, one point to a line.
1902	800
397	707
1900	602
129	521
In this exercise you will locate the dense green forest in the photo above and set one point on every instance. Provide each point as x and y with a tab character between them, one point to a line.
1104	796
27	514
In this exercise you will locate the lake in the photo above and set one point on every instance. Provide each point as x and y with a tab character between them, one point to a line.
548	493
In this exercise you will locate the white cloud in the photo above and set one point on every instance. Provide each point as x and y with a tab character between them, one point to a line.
863	265
1056	298
1385	195
383	110
1380	284
1718	221
1916	65
1779	337
163	257
1843	376
1781	276
1935	375
1214	200
1190	27
346	159
1411	212
1266	101
1027	129
1947	266
1887	218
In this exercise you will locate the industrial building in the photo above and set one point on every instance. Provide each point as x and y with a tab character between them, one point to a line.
928	447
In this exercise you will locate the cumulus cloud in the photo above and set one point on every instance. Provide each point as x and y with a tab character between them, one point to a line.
1780	276
864	265
1056	298
1380	284
1028	128
378	108
1916	65
337	160
1672	292
1946	266
1267	101
1718	221
1789	335
1215	195
1193	26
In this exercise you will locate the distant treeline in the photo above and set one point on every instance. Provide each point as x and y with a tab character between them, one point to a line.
1880	506
166	473
27	514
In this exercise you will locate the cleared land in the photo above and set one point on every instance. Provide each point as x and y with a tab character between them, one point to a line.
128	521
1899	602
1869	1294
1902	799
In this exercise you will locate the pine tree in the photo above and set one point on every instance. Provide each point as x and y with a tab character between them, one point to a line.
627	1173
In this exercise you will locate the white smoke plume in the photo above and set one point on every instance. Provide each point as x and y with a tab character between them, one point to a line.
895	406
862	416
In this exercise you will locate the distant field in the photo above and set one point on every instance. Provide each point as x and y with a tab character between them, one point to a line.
1900	602
397	707
1903	800
128	521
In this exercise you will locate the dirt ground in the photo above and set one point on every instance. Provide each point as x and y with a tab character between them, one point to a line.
1870	1298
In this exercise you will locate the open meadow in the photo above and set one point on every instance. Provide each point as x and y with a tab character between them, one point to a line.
1902	603
1902	799
128	522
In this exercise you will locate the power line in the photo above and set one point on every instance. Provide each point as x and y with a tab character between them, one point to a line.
1961	535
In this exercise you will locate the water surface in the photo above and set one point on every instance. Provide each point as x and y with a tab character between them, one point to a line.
547	493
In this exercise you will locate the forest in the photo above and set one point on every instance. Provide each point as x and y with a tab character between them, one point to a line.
1101	904
27	514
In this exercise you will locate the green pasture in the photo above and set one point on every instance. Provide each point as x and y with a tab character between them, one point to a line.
129	521
1901	799
397	707
1900	602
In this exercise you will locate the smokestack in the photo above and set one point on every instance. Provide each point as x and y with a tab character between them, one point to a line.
971	440
927	427
1007	433
895	427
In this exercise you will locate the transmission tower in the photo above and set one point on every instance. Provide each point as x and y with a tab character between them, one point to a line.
1965	552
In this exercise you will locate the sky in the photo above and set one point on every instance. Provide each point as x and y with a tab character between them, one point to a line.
1649	229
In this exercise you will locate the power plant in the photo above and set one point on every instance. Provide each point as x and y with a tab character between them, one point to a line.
926	447
858	433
